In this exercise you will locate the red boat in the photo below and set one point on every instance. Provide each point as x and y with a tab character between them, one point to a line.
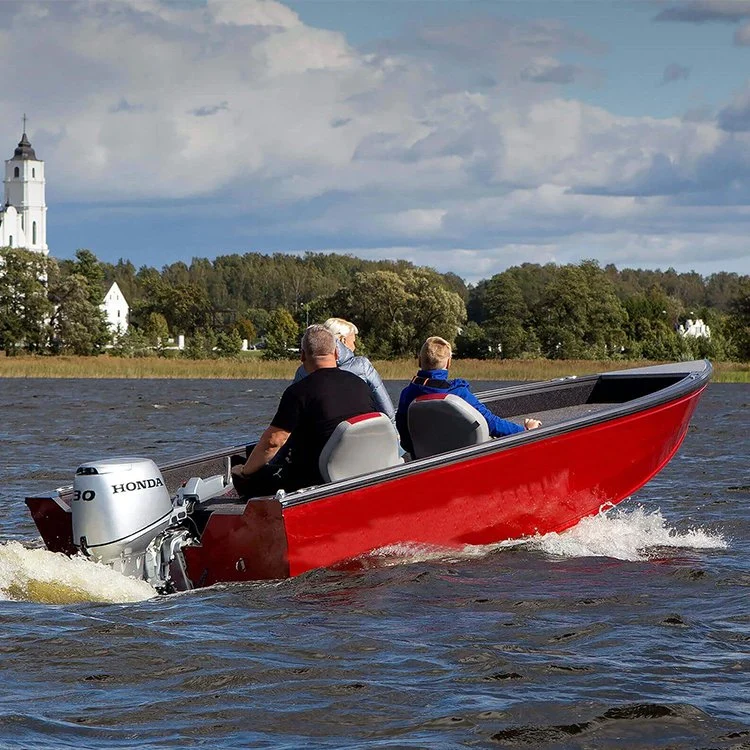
181	525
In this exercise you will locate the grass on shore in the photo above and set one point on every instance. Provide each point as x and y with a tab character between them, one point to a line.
253	367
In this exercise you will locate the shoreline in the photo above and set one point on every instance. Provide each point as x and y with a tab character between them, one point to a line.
253	368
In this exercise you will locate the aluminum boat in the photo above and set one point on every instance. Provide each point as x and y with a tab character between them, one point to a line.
181	525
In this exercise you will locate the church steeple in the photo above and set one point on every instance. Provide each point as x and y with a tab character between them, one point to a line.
24	220
24	149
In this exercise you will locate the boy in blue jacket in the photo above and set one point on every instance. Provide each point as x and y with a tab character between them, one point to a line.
432	377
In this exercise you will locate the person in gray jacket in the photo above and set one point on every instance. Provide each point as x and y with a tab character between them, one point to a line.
345	334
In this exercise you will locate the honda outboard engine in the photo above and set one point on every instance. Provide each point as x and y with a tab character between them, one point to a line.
119	506
124	517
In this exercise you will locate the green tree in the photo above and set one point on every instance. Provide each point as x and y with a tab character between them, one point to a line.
580	315
200	345
258	319
87	266
24	305
396	312
377	301
78	323
472	342
651	325
186	307
507	316
434	310
739	322
228	344
282	335
156	330
246	330
131	344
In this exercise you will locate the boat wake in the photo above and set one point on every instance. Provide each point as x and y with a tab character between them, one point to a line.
633	534
36	575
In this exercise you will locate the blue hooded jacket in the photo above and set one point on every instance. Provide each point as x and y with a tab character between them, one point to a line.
458	387
361	367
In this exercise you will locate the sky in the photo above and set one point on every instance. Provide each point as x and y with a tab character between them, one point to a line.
465	135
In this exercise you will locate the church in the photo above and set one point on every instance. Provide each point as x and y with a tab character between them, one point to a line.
23	215
23	220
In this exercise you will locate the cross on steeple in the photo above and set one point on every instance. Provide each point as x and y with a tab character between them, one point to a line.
24	122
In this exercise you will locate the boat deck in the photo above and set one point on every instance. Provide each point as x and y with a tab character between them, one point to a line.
558	416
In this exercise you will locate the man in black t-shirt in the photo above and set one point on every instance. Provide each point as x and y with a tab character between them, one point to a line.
286	456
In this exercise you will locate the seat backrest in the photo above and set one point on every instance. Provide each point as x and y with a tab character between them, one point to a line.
359	445
440	422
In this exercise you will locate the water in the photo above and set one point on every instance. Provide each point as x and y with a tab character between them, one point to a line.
630	630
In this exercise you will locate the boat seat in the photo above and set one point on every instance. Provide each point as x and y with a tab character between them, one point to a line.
441	422
359	445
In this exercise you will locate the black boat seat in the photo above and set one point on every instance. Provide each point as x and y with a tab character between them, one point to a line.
359	445
441	422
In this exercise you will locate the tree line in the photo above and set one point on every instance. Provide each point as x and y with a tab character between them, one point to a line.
580	311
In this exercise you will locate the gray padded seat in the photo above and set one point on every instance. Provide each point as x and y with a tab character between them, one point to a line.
359	445
441	422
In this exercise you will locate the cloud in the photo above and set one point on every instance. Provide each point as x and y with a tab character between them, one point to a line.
488	52
453	147
706	11
735	117
742	36
550	71
675	72
210	109
125	106
258	13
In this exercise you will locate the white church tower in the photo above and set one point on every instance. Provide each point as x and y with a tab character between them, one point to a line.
23	215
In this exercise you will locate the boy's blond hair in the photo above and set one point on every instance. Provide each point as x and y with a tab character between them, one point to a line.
435	354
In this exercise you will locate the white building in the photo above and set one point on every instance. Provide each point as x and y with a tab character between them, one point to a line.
23	215
116	310
695	328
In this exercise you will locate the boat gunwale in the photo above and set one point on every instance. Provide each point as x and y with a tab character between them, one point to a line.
693	379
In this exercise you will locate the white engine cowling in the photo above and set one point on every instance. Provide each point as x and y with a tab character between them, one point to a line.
119	506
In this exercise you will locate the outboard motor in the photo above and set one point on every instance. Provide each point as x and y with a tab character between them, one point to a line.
119	506
124	517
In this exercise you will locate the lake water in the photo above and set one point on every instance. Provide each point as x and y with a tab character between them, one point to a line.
631	630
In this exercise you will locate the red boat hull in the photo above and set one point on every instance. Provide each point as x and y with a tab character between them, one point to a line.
605	436
541	486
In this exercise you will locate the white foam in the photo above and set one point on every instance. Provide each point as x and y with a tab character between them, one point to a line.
53	578
625	534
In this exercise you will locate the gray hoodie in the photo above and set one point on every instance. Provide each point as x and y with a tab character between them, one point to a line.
362	367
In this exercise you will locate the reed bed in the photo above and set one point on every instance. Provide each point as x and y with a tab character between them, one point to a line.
254	367
506	369
144	367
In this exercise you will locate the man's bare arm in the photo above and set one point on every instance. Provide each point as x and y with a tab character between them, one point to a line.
265	449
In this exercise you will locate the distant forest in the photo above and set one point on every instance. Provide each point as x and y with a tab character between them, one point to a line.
580	311
555	311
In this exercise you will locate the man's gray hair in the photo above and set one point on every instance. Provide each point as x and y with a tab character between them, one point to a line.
318	341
